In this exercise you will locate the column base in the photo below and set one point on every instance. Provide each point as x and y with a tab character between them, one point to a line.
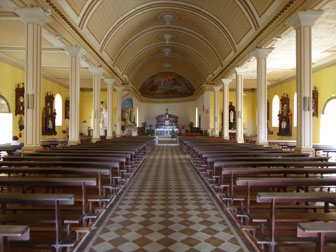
31	149
109	137
94	140
310	151
262	143
240	140
226	137
74	142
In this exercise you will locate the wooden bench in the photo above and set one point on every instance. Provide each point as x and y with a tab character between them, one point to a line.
274	198
50	182
11	233
44	199
317	229
232	172
282	182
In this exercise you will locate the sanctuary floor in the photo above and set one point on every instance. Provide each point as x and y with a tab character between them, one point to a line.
166	208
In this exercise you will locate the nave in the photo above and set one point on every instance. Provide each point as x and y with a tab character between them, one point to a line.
166	208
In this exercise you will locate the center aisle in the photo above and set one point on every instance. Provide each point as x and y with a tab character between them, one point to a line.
166	208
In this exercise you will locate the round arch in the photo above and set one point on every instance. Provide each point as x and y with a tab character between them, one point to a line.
328	122
4	105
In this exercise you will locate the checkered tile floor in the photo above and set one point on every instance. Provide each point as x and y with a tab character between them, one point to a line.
166	208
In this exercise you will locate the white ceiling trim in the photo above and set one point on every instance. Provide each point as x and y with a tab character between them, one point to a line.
205	15
171	29
133	72
161	44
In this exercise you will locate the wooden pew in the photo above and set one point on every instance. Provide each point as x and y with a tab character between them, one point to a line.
44	199
109	165
317	229
12	233
234	172
97	172
53	182
274	198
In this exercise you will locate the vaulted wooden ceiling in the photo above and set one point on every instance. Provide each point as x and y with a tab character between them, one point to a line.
203	40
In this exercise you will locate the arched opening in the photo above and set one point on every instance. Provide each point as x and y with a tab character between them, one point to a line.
6	117
295	110
275	111
328	122
58	109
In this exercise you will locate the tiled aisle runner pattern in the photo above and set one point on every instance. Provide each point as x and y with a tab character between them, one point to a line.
166	208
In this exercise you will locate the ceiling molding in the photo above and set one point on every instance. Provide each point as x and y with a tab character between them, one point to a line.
164	28
167	5
76	34
172	44
133	72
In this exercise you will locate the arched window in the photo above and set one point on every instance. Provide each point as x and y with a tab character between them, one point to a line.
328	122
275	111
6	117
59	109
295	109
196	118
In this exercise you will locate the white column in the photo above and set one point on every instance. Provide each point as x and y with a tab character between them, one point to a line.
261	55
239	105
216	89
119	90
34	18
206	111
302	21
226	84
109	83
97	75
75	53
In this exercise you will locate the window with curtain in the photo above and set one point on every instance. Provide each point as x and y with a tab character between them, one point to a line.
59	109
275	111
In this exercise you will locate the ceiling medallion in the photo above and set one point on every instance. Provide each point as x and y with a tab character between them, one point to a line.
167	37
167	18
166	51
167	65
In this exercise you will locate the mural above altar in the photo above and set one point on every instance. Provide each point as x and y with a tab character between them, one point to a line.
166	85
166	125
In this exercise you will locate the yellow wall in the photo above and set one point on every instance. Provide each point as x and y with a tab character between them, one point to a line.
86	106
281	89
10	77
325	82
249	107
54	88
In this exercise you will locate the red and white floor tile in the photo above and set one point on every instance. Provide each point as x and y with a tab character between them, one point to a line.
166	208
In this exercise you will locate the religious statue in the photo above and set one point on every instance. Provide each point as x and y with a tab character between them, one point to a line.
103	115
21	124
128	114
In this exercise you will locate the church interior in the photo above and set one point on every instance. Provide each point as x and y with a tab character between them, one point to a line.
168	125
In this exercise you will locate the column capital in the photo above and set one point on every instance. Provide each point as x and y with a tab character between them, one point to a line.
119	88
304	18
261	52
226	81
110	81
34	15
96	70
239	70
217	88
74	50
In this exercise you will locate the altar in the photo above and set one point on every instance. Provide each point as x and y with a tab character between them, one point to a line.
166	125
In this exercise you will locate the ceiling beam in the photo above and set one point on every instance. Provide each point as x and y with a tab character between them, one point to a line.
49	49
